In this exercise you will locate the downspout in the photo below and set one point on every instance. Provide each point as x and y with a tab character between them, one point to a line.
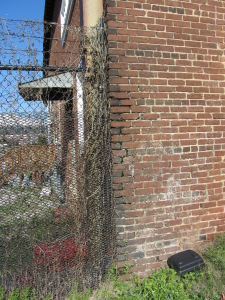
92	11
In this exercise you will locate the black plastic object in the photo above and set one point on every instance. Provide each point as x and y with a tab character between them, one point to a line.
185	261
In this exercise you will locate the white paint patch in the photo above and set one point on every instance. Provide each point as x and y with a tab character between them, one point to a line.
131	168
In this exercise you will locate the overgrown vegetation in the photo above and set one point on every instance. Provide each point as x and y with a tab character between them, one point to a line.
24	204
207	283
26	221
17	245
204	284
42	140
79	159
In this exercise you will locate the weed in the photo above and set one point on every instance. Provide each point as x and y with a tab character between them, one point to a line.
163	284
16	294
42	140
76	295
206	283
2	293
20	239
127	268
112	274
49	297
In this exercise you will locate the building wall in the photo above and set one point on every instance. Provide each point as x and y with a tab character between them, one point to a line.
66	55
166	88
65	127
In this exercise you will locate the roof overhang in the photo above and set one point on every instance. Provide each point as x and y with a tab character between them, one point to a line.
56	87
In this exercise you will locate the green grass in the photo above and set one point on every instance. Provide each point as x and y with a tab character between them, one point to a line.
16	294
74	294
207	283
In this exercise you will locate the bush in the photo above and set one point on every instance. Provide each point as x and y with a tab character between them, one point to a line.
16	294
42	140
75	295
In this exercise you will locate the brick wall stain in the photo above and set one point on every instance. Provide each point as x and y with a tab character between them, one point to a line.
166	89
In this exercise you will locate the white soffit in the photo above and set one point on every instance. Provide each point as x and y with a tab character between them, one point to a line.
58	81
35	90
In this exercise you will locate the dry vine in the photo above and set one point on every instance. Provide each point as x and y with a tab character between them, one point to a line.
56	208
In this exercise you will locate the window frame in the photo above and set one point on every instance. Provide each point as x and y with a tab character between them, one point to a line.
65	17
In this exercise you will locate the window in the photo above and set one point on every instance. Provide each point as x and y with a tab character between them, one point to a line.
66	11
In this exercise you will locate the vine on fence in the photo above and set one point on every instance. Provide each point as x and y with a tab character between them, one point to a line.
56	204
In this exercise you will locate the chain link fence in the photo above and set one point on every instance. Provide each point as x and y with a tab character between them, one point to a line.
56	203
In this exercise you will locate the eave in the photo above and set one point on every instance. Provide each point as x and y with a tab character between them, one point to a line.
56	87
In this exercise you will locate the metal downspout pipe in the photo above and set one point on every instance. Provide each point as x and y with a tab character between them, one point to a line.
92	11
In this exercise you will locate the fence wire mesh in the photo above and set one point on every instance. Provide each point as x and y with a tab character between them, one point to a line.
56	203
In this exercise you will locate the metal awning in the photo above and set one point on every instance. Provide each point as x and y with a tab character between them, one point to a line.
48	88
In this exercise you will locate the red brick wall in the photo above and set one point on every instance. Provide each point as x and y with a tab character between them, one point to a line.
166	87
66	55
64	127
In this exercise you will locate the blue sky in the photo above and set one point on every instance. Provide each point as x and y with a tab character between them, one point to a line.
22	9
19	10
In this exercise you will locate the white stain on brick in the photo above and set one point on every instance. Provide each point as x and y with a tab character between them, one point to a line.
131	169
145	233
172	188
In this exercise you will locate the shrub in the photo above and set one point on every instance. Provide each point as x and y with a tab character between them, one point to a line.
42	140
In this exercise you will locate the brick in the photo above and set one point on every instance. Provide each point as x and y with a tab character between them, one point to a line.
121	124
145	220
120	109
171	137
115	10
129	116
